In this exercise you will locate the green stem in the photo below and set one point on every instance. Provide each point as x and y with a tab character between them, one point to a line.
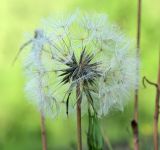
95	138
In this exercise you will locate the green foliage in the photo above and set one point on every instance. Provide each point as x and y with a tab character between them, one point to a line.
94	136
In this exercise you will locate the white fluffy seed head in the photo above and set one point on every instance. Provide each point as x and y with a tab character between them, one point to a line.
38	81
71	35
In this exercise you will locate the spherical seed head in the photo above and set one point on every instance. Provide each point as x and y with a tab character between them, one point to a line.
86	50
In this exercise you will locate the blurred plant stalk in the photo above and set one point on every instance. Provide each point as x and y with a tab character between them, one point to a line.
43	132
157	107
134	122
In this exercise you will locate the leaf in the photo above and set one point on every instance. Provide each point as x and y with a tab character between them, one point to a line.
95	139
67	103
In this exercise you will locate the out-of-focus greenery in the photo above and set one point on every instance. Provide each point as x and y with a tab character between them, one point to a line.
19	120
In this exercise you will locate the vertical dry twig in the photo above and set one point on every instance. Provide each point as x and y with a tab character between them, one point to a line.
134	122
79	132
156	113
43	132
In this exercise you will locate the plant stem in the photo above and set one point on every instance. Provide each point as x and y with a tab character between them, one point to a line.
134	122
107	141
43	132
79	132
156	113
95	139
134	125
138	25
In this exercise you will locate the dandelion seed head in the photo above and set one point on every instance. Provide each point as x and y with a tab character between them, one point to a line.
83	50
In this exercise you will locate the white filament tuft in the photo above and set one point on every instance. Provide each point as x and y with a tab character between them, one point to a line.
71	35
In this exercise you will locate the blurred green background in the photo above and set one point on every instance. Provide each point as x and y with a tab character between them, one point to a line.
20	121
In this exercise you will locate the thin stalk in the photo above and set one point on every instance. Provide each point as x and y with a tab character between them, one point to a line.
156	113
43	132
107	141
157	106
79	132
134	122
